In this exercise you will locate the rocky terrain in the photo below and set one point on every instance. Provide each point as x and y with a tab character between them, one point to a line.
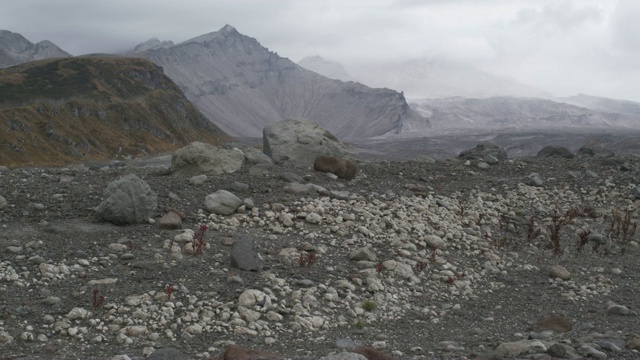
473	257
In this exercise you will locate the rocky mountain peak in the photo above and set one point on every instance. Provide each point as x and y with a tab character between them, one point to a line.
16	49
152	44
242	87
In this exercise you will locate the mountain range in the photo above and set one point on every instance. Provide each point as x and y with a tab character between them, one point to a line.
242	87
15	49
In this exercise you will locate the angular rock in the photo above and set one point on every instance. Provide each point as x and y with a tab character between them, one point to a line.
222	202
170	221
521	347
255	156
535	180
3	202
129	200
198	179
299	189
481	151
364	253
554	322
558	271
555	151
299	142
239	353
167	354
244	255
342	168
200	158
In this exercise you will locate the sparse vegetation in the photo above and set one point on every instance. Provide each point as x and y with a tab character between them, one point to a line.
369	305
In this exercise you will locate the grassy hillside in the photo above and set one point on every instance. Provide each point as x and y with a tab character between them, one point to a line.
55	112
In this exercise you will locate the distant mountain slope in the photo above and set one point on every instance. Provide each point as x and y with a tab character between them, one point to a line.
502	113
326	68
430	78
15	49
242	86
55	112
602	104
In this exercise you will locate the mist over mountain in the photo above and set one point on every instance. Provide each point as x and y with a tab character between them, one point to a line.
241	86
16	49
61	111
326	68
602	104
430	78
509	113
153	44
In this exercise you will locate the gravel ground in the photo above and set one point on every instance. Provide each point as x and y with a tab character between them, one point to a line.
455	263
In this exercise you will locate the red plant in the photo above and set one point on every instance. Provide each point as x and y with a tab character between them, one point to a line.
379	267
198	242
168	290
434	252
97	299
307	259
420	266
450	280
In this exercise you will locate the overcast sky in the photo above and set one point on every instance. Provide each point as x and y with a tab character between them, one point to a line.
561	46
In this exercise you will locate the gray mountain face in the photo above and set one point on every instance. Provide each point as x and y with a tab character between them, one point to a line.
508	113
437	78
326	68
242	87
602	104
15	49
153	44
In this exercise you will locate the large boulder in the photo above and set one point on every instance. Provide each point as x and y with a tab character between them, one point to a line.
299	142
200	158
129	200
483	150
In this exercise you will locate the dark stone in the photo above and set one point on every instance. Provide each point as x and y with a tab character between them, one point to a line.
482	150
244	255
555	151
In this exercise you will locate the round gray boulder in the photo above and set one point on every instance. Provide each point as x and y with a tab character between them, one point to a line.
129	200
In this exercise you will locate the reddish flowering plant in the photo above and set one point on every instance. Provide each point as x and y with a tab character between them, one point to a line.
168	290
198	242
98	299
307	259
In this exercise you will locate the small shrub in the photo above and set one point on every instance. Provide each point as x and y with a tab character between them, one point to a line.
360	324
369	305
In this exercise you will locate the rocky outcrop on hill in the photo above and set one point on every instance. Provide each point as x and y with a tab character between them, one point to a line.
15	49
243	87
71	110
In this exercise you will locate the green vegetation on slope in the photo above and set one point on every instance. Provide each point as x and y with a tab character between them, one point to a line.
55	112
